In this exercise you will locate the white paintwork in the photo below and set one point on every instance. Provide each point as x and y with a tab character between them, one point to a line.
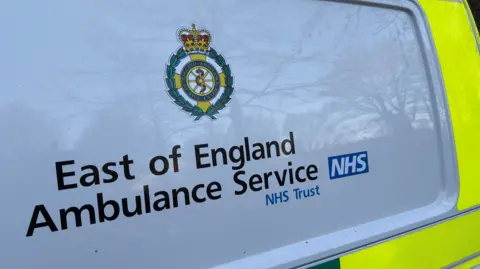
84	81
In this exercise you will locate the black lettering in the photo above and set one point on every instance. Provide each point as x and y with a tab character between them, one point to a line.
267	176
240	159
311	170
281	180
297	174
146	197
255	179
77	212
291	142
247	148
269	148
195	195
112	173
175	156
136	211
258	153
290	173
175	193
240	182
153	168
163	199
94	174
198	156
212	188
126	167
101	209
215	153
34	220
62	175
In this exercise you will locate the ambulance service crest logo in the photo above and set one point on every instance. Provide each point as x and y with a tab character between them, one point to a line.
198	78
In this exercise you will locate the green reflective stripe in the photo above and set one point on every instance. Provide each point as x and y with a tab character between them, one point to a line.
333	264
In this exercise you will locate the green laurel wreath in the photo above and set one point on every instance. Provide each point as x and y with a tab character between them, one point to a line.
194	110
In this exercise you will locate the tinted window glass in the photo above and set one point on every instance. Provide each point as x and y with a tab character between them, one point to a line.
475	7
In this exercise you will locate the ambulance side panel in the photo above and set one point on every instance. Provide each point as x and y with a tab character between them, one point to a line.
330	130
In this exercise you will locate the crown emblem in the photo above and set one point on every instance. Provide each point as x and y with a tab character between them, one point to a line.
198	78
195	39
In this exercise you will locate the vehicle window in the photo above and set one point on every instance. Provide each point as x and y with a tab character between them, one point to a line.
475	7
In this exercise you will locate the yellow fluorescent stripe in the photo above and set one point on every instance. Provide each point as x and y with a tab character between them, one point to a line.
460	63
434	247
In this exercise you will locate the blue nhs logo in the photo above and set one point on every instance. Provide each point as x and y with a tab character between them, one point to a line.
348	165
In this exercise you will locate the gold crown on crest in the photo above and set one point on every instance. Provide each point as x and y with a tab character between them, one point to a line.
195	39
